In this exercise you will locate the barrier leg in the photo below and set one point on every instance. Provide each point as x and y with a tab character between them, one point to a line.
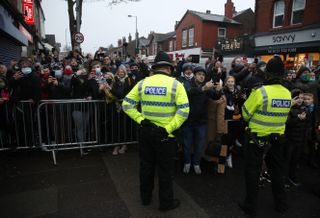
54	157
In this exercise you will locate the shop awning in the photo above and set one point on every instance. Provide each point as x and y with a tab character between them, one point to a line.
288	48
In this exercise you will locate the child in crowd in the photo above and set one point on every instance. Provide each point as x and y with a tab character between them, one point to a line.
311	134
234	98
296	130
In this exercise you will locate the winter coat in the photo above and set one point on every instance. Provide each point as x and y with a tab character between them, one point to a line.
198	102
26	88
296	129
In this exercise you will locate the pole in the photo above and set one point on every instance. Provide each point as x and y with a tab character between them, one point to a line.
78	18
136	51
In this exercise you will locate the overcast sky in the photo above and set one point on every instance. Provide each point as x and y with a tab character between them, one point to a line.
103	25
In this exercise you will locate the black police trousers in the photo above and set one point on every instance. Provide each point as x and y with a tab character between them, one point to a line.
253	164
156	154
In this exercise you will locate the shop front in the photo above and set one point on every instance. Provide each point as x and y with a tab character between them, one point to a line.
296	47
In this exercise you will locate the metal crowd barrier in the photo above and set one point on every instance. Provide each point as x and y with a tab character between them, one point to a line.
55	125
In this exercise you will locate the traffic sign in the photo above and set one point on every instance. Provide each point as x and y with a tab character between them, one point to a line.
78	37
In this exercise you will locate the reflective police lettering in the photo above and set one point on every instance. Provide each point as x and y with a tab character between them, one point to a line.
155	90
280	103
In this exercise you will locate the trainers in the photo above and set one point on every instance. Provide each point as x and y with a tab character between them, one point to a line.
115	151
174	205
229	161
266	176
197	169
186	168
123	149
238	143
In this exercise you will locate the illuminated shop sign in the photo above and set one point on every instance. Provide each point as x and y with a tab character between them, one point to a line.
28	11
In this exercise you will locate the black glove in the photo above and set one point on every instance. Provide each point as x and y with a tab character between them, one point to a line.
146	123
161	133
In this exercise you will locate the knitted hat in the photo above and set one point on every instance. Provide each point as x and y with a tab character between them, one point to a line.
187	66
162	59
199	69
275	67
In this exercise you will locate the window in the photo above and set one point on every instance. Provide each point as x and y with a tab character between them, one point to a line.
191	36
278	13
297	11
184	38
222	32
171	45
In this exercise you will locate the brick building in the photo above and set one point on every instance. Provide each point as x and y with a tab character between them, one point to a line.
200	34
21	28
290	28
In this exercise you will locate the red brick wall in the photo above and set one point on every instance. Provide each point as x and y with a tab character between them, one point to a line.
189	21
205	33
264	15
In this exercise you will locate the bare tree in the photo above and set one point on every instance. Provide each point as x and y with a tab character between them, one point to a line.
75	14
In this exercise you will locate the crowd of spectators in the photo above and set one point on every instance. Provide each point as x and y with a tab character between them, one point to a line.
104	77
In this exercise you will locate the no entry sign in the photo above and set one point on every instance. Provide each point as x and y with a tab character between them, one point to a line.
78	37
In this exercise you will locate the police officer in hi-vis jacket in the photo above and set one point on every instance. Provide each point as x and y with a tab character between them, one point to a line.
164	107
266	111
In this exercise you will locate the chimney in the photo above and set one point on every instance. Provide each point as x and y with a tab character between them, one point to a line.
175	26
208	12
229	9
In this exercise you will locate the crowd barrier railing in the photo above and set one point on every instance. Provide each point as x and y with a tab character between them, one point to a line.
55	125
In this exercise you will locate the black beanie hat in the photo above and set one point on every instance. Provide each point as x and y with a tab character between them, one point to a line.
162	59
199	69
275	67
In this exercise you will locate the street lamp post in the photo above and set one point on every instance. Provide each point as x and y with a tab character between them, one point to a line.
136	17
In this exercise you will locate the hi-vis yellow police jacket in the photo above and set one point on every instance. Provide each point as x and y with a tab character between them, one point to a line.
267	109
163	101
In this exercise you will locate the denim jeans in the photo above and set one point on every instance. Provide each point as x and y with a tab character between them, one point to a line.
193	135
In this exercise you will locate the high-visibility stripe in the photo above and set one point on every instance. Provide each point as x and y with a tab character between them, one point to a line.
140	88
272	114
155	114
173	90
259	122
246	111
157	103
129	100
183	114
265	98
127	107
181	106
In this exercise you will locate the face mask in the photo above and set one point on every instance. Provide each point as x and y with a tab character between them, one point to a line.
2	85
311	108
45	76
237	66
98	70
312	78
189	76
68	71
58	73
305	77
109	81
26	70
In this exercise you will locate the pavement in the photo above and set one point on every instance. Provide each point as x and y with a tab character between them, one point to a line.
101	185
